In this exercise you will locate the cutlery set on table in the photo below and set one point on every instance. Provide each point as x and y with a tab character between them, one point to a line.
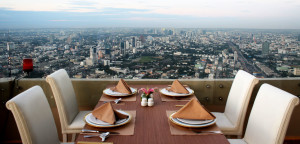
94	133
106	116
192	116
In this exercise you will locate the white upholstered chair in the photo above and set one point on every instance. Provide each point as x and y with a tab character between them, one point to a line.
269	117
231	122
71	119
33	116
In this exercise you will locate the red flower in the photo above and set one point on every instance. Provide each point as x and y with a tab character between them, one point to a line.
147	92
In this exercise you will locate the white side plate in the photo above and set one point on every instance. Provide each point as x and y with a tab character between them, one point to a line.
169	93
91	120
176	121
109	92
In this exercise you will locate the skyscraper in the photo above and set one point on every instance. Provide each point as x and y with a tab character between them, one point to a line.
235	56
10	46
265	48
299	37
93	55
133	42
123	48
127	44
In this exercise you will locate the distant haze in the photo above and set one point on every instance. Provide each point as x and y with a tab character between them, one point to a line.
261	14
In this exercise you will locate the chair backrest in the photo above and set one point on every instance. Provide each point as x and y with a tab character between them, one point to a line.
270	116
64	96
239	97
33	116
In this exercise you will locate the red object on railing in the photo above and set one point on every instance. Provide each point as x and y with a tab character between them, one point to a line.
27	65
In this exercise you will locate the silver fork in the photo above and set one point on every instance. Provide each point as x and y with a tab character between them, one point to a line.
103	136
117	100
95	131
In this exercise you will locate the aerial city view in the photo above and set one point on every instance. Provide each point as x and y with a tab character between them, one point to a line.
149	39
151	53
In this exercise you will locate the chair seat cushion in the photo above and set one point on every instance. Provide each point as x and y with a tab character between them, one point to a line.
78	122
223	122
236	141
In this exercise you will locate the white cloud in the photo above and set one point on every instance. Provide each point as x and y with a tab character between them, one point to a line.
197	8
61	20
144	19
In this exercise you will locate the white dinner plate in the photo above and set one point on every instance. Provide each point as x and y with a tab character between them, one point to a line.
92	121
110	92
169	93
180	123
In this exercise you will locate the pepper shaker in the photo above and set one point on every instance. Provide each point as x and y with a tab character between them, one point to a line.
150	102
144	102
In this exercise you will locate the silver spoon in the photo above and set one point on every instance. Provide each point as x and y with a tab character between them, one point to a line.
117	100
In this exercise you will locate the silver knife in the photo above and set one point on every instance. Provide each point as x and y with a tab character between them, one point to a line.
95	131
198	132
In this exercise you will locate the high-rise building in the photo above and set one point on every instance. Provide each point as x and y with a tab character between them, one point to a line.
10	46
235	56
299	37
265	48
127	44
123	48
138	44
67	47
134	50
93	54
133	42
106	62
142	39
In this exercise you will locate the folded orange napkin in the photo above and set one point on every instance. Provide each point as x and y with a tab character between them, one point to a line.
178	87
107	114
194	110
122	87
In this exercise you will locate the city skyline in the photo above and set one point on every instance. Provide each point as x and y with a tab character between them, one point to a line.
150	53
267	14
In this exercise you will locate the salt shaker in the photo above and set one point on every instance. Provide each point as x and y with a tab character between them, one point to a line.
144	102
150	102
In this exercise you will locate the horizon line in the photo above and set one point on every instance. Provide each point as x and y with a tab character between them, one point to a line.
146	28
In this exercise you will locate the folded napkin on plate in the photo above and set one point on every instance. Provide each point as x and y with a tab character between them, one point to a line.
107	114
178	88
194	110
122	87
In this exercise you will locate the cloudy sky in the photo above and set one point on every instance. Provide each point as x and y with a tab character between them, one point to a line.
263	14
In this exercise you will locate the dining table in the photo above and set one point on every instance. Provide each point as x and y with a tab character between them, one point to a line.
151	124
